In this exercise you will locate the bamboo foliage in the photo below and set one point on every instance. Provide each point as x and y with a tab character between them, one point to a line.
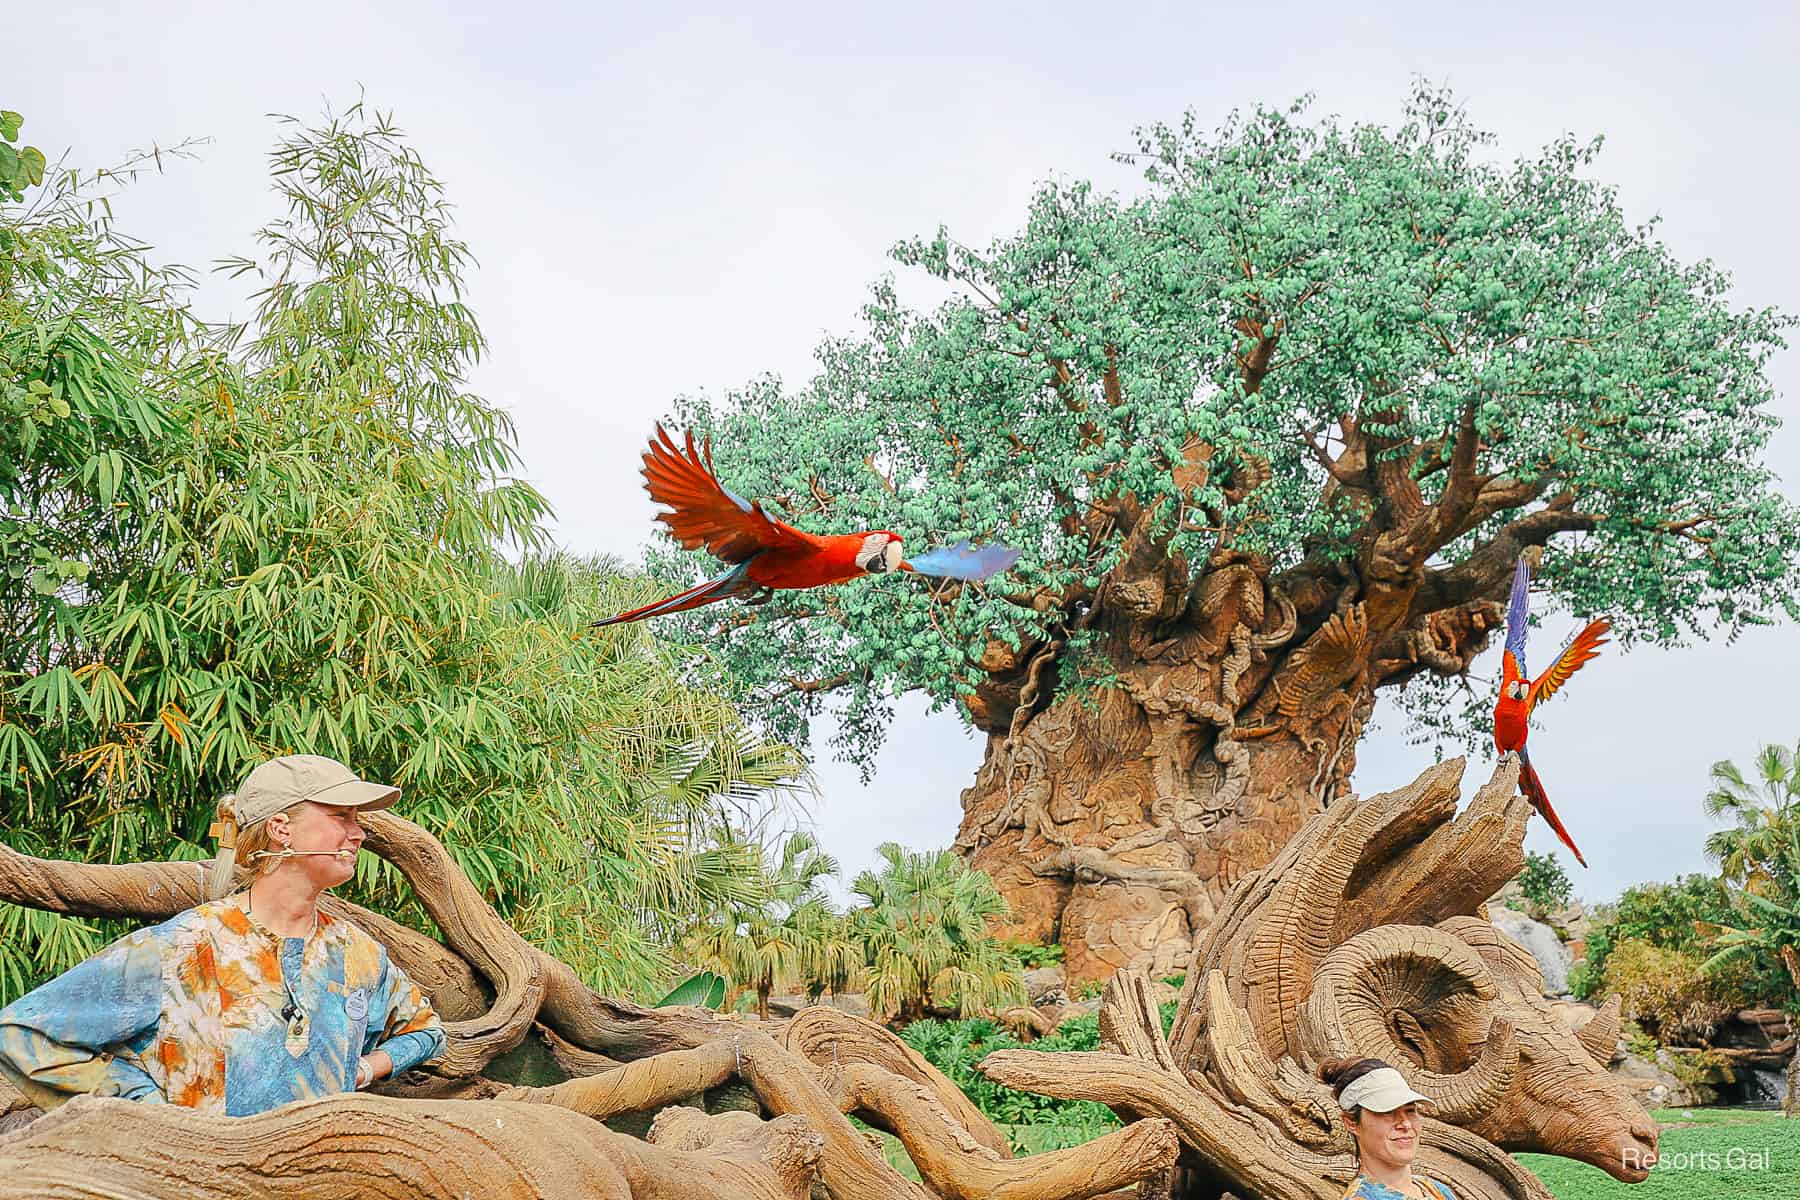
305	534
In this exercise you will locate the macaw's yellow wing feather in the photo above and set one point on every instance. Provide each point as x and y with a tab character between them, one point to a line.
1585	647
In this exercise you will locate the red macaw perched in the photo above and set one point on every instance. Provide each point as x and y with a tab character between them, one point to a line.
1520	693
765	553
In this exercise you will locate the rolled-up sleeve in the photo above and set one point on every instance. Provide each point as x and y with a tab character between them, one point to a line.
82	1031
409	1031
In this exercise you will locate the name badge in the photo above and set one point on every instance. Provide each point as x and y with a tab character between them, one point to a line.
356	1003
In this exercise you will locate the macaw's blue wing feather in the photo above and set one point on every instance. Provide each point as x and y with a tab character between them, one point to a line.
964	561
1518	613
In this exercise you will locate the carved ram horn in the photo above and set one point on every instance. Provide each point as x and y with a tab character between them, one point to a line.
1418	998
1600	1036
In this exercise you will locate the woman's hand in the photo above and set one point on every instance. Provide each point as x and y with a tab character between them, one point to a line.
371	1067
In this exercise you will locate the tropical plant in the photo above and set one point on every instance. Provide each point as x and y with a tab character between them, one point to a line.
702	989
781	934
833	962
1761	850
1767	930
226	543
924	932
1760	857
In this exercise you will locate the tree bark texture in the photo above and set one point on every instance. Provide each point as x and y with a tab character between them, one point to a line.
1183	718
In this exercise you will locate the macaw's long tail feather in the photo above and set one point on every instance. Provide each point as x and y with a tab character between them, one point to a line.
723	586
1533	788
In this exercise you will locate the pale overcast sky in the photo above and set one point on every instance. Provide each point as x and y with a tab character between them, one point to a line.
678	201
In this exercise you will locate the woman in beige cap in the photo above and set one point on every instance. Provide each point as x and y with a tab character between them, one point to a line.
1382	1113
251	999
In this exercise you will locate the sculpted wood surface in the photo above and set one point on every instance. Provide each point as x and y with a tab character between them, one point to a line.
1364	935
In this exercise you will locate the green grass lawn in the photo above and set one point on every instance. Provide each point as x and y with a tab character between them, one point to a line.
1727	1153
1715	1153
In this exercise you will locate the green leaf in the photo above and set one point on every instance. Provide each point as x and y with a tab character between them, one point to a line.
704	990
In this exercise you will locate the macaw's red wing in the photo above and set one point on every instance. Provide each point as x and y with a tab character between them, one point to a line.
702	513
963	561
1584	647
1533	788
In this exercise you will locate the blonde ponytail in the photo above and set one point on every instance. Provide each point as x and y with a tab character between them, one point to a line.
235	866
222	874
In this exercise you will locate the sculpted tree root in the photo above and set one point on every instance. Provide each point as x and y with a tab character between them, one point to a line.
1365	936
358	1146
456	1133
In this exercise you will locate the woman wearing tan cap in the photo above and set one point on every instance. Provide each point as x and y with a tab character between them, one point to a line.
1381	1110
251	999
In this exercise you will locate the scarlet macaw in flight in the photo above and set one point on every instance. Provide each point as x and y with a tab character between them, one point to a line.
766	554
1520	693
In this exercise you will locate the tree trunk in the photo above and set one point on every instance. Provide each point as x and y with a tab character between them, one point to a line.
1364	938
1116	817
1790	1103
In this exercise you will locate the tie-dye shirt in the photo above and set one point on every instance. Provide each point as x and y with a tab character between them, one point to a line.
189	1012
1364	1188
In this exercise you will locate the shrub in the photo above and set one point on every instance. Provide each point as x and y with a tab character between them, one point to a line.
1664	915
1664	991
1544	882
1032	954
955	1047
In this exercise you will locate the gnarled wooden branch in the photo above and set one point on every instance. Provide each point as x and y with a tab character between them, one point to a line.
955	1167
370	1146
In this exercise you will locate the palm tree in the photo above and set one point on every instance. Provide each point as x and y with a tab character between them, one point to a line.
925	937
1761	855
833	951
778	937
1762	848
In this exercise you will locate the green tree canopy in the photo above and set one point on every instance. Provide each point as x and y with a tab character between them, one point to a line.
229	543
1375	362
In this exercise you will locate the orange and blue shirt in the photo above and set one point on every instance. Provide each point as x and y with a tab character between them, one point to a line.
1364	1188
212	1011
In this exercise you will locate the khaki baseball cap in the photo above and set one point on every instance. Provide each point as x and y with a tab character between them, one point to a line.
283	782
1381	1090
